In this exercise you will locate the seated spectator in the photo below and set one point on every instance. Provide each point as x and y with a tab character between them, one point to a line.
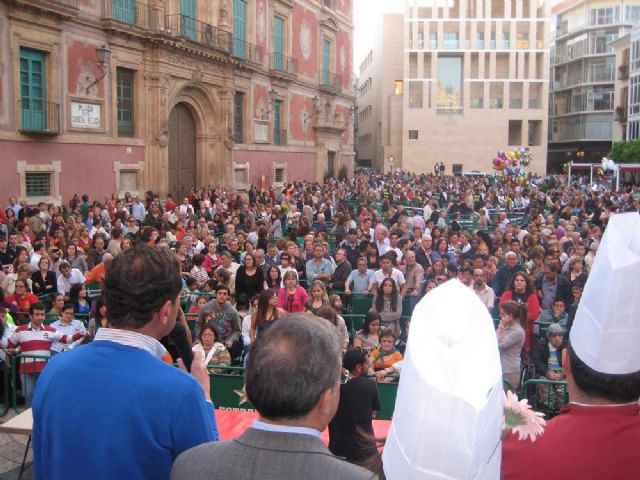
547	360
213	352
413	274
22	298
360	280
388	303
386	354
79	297
198	272
342	271
318	297
200	302
67	325
99	319
44	280
22	273
273	278
369	337
292	298
67	277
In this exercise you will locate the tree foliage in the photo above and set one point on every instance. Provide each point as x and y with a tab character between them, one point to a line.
626	152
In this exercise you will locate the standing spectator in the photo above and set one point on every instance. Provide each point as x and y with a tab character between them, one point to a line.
198	272
172	411
75	259
249	278
413	275
341	273
388	304
138	211
362	279
265	315
35	338
94	257
520	289
504	275
351	433
387	270
224	318
511	336
292	298
551	285
484	291
68	326
318	268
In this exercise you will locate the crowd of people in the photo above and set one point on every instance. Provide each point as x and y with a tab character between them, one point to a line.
249	260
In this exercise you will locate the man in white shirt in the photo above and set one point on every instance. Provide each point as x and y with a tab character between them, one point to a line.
484	291
67	277
388	271
381	239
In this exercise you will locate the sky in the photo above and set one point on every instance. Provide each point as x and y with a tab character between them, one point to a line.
366	14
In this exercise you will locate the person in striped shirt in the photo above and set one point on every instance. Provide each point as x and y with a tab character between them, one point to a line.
35	338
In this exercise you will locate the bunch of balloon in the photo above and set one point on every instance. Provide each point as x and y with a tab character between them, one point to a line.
510	166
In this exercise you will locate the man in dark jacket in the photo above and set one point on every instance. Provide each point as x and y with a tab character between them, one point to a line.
551	285
503	276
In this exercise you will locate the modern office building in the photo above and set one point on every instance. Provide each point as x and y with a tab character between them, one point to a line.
473	79
633	106
583	78
100	96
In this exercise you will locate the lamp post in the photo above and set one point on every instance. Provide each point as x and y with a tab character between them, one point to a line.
102	55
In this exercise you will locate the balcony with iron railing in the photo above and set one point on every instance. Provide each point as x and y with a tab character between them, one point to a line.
329	81
39	117
246	51
130	16
64	8
188	28
282	65
279	137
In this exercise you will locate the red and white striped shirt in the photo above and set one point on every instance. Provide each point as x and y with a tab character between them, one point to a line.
35	341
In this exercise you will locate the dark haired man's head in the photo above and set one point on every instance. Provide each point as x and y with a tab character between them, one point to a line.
139	283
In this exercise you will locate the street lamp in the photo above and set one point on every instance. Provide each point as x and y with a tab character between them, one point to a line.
273	96
315	103
102	55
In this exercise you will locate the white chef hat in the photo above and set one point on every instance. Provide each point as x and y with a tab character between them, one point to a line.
448	415
606	331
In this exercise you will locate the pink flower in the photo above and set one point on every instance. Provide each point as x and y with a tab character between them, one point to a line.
521	419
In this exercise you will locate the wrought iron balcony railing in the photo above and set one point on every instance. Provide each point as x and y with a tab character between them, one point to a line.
199	32
37	116
283	64
132	14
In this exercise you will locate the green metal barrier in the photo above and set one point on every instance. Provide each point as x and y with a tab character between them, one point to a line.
361	304
387	393
227	388
546	396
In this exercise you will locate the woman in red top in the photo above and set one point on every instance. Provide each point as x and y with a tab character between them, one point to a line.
520	289
22	298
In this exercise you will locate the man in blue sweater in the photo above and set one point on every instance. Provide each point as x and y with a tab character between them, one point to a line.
113	408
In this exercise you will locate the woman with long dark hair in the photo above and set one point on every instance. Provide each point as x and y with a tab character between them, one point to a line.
249	277
273	278
266	313
388	303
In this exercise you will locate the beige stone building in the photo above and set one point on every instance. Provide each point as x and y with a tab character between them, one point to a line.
473	79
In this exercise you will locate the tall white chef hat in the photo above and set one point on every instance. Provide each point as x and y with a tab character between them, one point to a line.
606	331
448	416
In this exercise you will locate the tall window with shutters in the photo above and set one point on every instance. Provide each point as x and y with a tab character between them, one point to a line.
124	92
238	117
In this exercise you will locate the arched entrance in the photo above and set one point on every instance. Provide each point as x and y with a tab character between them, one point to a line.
182	151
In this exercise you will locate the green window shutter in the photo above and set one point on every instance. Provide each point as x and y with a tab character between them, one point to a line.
278	43
33	89
124	91
277	122
188	10
239	28
124	11
326	60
